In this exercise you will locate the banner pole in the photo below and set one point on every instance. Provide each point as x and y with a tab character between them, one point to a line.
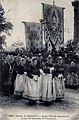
25	34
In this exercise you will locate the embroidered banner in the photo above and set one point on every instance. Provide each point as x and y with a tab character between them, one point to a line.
33	35
53	24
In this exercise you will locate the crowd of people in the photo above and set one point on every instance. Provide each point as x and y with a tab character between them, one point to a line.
38	78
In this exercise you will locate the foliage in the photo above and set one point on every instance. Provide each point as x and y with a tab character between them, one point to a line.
2	40
5	26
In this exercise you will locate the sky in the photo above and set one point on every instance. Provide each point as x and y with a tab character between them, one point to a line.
17	11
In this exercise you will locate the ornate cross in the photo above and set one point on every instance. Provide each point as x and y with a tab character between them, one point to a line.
53	2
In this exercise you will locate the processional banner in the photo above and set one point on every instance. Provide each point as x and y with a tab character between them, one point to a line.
53	17
33	35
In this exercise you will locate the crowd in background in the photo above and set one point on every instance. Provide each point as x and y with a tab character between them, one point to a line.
41	76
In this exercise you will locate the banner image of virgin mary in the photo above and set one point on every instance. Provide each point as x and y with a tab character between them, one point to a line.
54	20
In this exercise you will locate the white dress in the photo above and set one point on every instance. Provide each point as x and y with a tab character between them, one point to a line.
19	84
47	88
59	86
31	87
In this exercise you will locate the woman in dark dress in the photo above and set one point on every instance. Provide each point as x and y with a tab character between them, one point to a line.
7	76
19	82
31	91
14	74
59	79
47	95
72	77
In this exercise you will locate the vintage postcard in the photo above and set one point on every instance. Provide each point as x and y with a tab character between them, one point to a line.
39	60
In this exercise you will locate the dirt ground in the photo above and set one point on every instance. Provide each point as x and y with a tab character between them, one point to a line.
69	106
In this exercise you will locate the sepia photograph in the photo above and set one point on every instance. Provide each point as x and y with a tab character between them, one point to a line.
39	59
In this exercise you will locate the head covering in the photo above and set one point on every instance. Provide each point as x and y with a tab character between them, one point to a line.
60	58
39	54
33	59
49	56
22	59
72	63
61	46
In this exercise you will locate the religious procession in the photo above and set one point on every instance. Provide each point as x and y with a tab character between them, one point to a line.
39	78
42	72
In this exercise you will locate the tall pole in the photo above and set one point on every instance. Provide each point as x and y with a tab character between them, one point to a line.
41	21
63	24
25	35
53	2
75	4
